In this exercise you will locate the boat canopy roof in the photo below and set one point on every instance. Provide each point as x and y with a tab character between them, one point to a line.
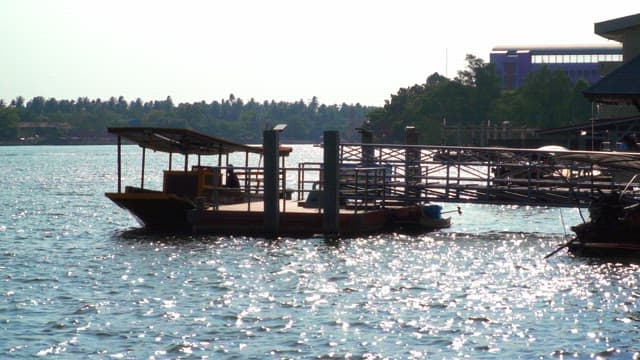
613	160
184	141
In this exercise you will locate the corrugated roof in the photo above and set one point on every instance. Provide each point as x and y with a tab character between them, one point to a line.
615	29
614	160
605	48
183	141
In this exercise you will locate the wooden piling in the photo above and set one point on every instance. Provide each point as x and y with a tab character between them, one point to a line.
271	171
411	165
119	164
366	137
331	199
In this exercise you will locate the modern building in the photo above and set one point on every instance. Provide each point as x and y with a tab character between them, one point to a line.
514	63
616	96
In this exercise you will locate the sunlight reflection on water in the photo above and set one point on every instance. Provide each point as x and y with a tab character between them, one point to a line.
77	281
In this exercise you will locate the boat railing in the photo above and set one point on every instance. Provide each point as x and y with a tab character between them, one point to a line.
363	187
360	187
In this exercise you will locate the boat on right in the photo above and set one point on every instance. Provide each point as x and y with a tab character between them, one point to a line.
613	229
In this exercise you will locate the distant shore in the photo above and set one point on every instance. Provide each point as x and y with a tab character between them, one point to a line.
106	141
60	141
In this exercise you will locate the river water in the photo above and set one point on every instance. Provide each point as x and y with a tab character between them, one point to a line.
77	280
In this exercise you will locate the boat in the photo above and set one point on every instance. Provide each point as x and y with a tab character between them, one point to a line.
194	198
189	188
613	228
432	219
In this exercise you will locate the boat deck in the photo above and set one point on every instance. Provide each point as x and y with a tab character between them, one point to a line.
294	220
291	206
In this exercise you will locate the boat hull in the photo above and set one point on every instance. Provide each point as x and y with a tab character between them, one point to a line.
605	250
617	238
435	224
156	210
290	223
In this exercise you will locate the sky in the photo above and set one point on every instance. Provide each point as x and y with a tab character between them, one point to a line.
340	51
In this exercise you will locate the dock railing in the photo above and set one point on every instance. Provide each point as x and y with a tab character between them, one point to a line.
360	187
484	175
385	175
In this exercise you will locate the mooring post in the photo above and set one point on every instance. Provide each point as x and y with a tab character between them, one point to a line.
366	139
331	199
271	204
119	164
411	165
142	171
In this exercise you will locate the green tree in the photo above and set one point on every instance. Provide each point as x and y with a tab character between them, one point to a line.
9	119
465	100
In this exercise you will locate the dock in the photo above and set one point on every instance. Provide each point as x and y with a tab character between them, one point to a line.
358	188
296	220
486	175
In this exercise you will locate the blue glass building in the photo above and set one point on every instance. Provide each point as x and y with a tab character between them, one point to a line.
514	63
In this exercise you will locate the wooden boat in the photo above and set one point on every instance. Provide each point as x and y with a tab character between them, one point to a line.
432	219
424	218
613	229
194	199
183	189
434	224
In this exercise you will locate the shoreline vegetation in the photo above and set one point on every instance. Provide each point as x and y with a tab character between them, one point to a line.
85	121
474	97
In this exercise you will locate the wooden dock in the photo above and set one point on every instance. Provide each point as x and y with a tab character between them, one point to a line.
296	220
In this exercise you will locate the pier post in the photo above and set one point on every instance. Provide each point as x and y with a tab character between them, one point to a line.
119	164
271	203
331	200
411	165
366	139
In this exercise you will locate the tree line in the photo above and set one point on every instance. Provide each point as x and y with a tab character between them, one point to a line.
546	99
86	120
474	97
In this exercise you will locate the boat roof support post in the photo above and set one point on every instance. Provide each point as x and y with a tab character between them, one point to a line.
284	184
366	138
170	158
331	200
142	171
271	203
186	162
119	164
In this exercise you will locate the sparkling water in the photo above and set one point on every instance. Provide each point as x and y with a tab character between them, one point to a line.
79	280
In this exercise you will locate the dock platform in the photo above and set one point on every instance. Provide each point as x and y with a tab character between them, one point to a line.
295	220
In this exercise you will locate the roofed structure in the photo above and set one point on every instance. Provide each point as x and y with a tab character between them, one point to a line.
625	30
184	141
622	85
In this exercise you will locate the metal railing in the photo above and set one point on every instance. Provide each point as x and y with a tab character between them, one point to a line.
485	175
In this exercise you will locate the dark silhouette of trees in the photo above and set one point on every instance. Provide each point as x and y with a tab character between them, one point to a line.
86	120
547	99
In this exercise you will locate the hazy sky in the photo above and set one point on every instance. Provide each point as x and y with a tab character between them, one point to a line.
347	51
